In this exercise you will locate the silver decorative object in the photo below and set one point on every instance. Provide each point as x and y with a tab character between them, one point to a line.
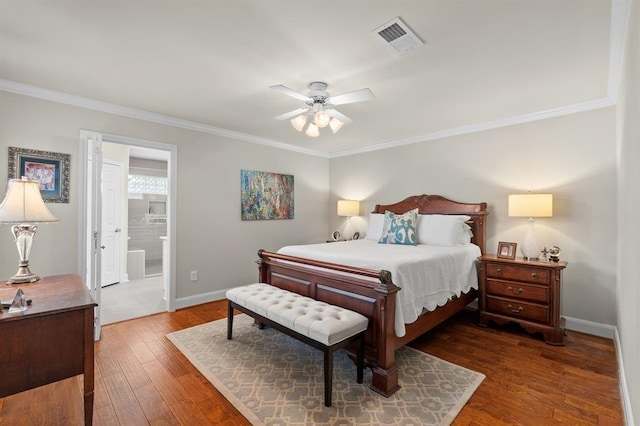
554	254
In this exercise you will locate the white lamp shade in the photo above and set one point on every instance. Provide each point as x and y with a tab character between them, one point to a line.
335	125
321	119
531	205
312	130
298	122
23	203
348	208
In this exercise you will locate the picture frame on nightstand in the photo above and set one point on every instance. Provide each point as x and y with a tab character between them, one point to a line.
507	250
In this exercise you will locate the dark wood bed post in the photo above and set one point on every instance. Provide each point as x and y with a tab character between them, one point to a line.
384	379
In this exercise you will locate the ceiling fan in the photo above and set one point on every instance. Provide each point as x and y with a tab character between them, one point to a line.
319	111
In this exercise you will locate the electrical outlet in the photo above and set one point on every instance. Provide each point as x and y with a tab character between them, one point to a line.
194	275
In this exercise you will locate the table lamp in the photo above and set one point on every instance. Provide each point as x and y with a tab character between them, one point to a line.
24	207
348	208
531	206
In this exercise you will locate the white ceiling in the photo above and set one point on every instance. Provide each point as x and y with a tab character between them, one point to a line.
211	61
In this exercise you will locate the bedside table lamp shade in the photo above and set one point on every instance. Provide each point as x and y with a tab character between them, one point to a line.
23	207
348	208
531	206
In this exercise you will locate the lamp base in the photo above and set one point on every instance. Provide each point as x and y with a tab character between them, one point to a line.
530	248
24	275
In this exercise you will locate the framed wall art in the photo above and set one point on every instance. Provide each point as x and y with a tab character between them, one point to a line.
266	196
51	169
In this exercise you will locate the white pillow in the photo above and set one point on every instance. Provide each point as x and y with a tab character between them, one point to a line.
443	230
374	229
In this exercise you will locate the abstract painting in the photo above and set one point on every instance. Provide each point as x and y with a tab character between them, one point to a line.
266	196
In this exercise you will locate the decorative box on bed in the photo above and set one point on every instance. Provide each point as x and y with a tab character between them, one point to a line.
372	291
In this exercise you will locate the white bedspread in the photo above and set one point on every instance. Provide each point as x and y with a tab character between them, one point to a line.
428	275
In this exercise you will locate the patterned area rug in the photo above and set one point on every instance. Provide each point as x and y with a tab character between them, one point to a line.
273	379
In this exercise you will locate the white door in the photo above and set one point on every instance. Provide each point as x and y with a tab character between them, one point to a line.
111	223
91	148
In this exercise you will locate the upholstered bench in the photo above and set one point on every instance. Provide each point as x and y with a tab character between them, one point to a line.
318	324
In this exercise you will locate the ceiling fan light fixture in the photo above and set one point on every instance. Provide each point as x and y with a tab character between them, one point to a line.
335	125
312	131
318	111
321	119
298	122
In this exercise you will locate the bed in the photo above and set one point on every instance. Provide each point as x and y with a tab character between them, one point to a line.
371	291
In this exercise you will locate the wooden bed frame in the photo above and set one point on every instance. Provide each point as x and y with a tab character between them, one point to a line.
372	293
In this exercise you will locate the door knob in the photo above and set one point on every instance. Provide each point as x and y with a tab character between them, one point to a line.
102	247
117	230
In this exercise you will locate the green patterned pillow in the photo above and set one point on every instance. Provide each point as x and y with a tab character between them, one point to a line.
399	228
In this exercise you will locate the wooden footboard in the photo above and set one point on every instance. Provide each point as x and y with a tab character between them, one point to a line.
366	291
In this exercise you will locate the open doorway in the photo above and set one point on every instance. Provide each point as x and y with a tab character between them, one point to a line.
128	226
142	228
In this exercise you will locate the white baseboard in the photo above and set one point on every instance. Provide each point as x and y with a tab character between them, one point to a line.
624	391
199	299
590	327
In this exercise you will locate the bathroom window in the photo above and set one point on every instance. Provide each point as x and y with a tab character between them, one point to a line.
139	184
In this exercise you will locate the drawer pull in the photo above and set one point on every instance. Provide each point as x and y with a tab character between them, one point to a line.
518	291
516	311
534	275
498	270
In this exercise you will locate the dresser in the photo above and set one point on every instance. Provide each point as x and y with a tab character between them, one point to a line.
524	292
50	341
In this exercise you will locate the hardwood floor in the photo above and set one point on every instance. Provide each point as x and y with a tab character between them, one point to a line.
141	378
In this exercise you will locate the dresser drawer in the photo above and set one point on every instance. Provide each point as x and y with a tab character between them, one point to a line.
519	273
513	290
518	309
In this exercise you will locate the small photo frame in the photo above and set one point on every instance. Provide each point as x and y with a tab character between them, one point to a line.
51	169
336	235
507	250
356	235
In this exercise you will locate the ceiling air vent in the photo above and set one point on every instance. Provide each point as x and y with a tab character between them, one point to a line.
398	36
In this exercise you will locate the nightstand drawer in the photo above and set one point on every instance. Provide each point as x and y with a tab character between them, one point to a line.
519	273
515	290
518	309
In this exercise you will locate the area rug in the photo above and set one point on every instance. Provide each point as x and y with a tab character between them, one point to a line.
273	379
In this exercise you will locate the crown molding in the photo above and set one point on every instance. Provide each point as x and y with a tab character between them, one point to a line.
489	125
79	101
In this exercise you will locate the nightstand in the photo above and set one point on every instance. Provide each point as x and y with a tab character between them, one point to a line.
524	292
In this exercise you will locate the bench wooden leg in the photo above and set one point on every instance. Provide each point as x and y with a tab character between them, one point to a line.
229	320
360	358
328	375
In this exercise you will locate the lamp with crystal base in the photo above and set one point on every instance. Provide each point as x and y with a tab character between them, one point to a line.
24	207
531	206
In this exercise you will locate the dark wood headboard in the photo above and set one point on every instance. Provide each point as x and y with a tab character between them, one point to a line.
437	204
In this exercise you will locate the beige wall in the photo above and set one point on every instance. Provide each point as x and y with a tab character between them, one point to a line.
211	238
573	157
628	294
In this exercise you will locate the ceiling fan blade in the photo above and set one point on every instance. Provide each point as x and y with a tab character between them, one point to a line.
361	95
340	116
290	92
291	114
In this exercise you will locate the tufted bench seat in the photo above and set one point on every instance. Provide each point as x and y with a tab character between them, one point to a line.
318	324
